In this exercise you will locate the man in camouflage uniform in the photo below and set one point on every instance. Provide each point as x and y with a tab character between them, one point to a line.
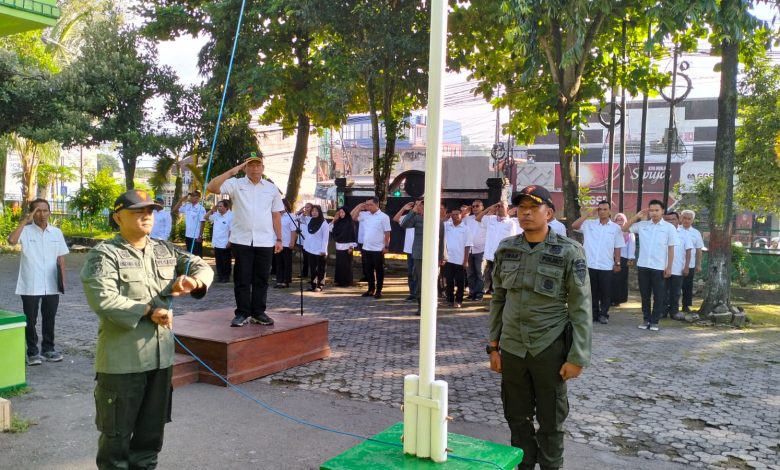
540	328
128	282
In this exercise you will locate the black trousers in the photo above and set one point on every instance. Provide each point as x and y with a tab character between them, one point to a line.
284	266
672	284
531	387
620	292
250	277
224	263
304	263
455	275
601	286
48	304
196	248
487	276
316	269
374	270
651	284
342	276
131	413
687	289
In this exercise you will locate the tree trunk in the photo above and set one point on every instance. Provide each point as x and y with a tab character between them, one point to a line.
177	190
128	163
372	110
299	159
718	286
571	205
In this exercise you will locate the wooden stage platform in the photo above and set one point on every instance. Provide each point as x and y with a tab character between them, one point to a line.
245	353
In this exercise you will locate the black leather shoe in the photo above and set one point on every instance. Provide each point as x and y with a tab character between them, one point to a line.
261	319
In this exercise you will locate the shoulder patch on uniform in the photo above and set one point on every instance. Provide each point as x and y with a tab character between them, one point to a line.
556	249
580	271
95	268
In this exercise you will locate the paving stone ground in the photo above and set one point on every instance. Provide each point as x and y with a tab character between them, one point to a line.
695	395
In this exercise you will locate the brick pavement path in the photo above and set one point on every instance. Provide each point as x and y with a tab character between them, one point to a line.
695	395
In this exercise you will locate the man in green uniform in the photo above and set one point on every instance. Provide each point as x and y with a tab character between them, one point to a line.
540	327
128	282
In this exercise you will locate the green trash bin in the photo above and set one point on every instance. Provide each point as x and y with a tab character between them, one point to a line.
12	351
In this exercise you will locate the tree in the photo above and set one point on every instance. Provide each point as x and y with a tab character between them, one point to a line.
287	65
114	82
555	60
757	165
387	44
105	160
97	195
49	174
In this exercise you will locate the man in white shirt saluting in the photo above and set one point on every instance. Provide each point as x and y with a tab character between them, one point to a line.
376	240
222	220
161	229
603	241
657	239
41	277
255	236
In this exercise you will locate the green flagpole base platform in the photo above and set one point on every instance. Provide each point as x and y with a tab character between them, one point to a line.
475	453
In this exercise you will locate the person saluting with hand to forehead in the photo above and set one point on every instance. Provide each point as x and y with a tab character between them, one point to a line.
129	281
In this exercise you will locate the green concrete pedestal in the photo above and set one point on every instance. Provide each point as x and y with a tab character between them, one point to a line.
467	453
12	350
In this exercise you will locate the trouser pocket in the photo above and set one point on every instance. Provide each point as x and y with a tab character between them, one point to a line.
106	411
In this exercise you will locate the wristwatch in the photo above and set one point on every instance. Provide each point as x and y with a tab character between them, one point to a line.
491	349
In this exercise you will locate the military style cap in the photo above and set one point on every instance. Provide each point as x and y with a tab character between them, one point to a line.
135	199
254	157
536	193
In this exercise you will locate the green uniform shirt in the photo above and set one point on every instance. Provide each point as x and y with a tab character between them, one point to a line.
536	292
120	282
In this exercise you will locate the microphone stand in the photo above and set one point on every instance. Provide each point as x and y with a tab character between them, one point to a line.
299	232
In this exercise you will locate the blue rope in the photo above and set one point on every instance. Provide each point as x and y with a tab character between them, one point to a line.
232	386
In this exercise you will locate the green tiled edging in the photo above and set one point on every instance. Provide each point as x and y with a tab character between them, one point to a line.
374	455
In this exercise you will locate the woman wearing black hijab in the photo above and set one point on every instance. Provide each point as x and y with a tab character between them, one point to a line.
343	230
316	247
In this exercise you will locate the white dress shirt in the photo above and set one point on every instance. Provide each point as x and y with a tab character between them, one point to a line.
654	240
361	229
288	228
408	240
557	227
600	243
220	232
497	230
629	251
38	264
161	229
317	243
253	206
303	221
683	244
193	216
456	239
478	234
374	225
697	241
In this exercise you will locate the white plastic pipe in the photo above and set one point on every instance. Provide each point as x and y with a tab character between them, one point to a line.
411	383
438	43
439	422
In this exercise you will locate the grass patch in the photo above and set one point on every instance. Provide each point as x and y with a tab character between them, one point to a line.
19	425
18	392
762	314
